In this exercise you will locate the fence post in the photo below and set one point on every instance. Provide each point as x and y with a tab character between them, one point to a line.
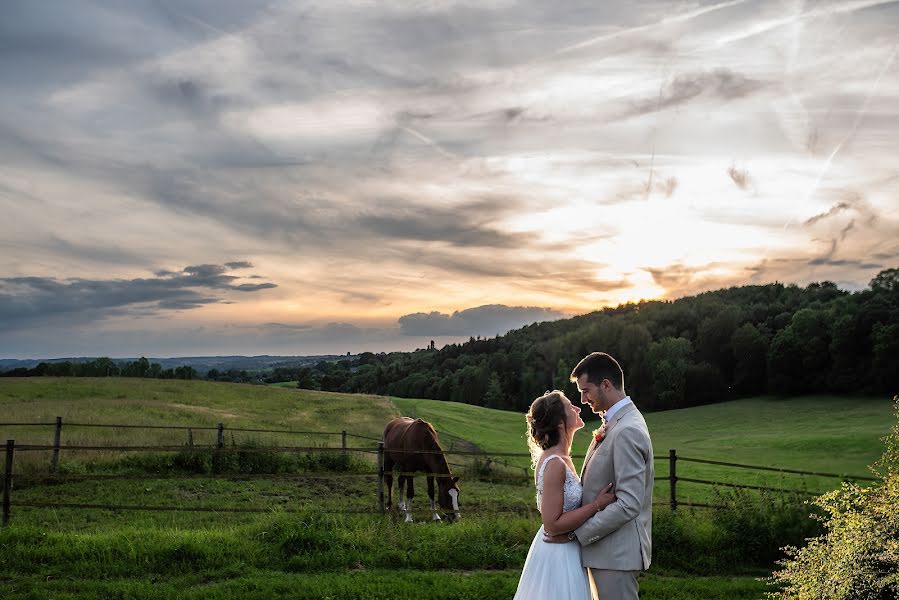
7	480
190	436
57	435
672	476
343	440
220	442
381	476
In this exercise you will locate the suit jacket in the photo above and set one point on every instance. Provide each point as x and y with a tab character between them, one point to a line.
619	537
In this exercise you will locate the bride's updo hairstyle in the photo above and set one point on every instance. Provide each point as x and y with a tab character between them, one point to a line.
543	418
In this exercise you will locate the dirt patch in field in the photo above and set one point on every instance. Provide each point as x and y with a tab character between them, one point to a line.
205	410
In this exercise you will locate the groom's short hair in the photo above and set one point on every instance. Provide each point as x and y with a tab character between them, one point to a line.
599	366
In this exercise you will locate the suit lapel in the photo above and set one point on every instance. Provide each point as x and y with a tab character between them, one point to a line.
590	451
593	445
587	457
624	411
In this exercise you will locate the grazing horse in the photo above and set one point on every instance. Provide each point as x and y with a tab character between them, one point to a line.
412	445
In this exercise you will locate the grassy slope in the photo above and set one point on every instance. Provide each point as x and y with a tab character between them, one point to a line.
319	555
815	433
196	403
800	433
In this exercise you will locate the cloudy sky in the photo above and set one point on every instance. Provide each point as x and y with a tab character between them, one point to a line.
184	177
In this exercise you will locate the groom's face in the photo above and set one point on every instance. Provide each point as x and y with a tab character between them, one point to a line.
592	394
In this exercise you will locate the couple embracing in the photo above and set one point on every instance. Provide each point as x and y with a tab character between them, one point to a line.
597	528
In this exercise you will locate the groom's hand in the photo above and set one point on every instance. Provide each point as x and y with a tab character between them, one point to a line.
562	538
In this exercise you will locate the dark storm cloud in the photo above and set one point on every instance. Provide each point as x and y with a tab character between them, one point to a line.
673	276
25	301
845	200
482	320
437	225
833	210
721	85
54	41
829	259
251	287
535	272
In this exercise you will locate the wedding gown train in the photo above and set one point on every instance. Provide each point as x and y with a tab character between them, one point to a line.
554	571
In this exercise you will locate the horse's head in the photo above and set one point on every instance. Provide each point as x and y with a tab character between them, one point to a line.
448	497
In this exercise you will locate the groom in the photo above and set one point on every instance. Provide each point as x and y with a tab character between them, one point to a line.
616	543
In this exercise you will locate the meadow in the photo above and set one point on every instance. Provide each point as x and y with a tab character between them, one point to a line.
317	536
824	434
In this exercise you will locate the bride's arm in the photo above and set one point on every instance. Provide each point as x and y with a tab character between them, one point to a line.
554	520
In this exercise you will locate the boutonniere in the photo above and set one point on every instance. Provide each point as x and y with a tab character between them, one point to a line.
600	433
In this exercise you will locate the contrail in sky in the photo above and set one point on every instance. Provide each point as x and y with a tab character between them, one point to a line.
766	26
675	19
855	125
428	141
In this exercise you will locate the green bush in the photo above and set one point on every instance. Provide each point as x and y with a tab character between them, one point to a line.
857	557
745	534
250	457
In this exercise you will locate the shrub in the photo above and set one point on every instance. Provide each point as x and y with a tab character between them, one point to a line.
250	457
857	557
744	534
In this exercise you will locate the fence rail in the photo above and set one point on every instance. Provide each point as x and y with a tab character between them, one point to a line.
219	449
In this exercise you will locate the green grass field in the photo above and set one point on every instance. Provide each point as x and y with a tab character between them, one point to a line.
822	433
320	552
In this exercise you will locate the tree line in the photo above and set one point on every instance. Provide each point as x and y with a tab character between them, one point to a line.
104	367
711	347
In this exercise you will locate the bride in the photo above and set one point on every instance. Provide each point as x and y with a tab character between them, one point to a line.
554	570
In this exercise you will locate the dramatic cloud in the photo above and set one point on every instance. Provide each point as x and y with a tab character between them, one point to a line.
29	301
721	84
487	320
409	160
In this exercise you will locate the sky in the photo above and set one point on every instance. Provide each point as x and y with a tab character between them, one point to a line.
202	177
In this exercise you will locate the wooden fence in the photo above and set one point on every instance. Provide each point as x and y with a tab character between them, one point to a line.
219	449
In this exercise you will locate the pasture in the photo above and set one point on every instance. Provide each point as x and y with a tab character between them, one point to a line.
310	543
814	433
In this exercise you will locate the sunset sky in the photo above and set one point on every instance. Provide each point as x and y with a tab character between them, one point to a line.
195	177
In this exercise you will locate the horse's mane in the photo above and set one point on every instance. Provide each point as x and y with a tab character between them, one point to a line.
433	431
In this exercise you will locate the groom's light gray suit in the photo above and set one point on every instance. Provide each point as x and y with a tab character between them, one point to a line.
616	542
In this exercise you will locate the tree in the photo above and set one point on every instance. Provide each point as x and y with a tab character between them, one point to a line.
847	351
561	381
885	340
493	397
669	358
704	384
784	363
858	555
750	350
713	339
886	281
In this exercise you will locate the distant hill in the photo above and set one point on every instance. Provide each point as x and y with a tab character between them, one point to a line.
703	349
202	364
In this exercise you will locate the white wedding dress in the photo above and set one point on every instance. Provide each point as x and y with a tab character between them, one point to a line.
554	571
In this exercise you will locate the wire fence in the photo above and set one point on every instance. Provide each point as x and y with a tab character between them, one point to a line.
484	468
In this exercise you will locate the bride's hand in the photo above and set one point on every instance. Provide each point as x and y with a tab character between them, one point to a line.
605	497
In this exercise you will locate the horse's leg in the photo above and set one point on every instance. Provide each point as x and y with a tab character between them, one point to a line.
410	493
434	515
401	493
388	480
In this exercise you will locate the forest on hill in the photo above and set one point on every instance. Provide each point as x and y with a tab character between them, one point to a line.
712	347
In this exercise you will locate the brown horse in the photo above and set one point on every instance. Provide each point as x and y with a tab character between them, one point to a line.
412	445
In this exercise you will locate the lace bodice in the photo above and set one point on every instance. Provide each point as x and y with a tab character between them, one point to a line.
572	490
